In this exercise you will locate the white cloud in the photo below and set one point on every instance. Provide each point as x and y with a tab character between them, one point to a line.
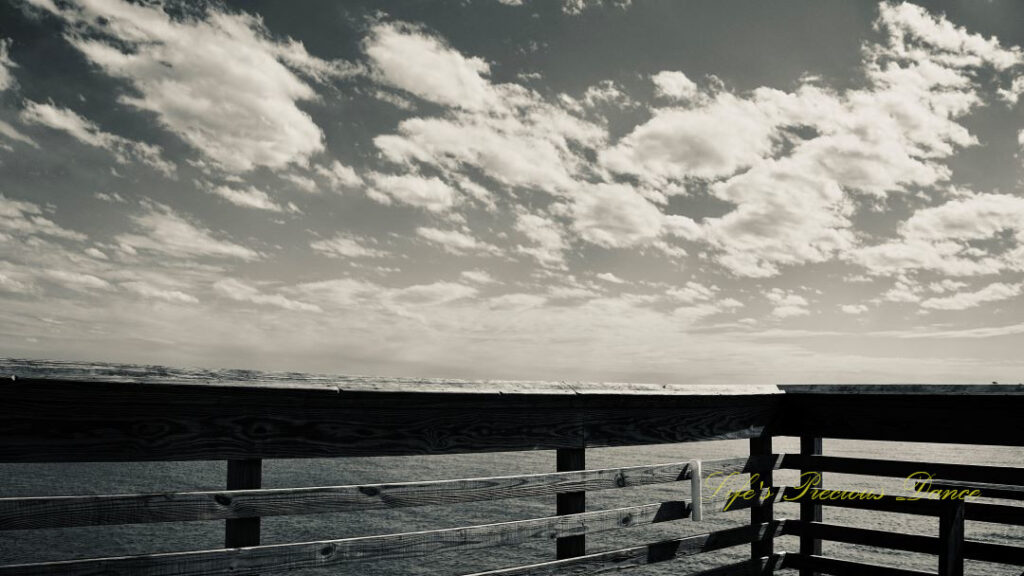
853	309
6	78
456	242
964	300
507	131
615	216
691	293
221	83
250	197
12	133
340	177
432	294
301	182
148	290
242	292
76	280
87	132
20	218
547	242
787	304
714	140
478	276
609	277
675	86
405	56
958	238
346	246
431	194
161	230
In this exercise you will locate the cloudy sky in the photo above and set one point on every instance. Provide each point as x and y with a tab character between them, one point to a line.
650	191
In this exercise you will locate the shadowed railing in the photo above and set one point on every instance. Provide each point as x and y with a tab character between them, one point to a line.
58	412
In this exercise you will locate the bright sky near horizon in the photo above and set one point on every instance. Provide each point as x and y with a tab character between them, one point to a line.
728	191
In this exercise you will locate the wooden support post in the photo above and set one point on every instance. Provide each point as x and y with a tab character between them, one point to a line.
243	475
569	459
810	511
761	513
951	539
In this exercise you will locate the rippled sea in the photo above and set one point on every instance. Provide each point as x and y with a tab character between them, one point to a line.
68	479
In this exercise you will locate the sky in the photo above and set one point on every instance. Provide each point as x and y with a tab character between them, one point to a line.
648	191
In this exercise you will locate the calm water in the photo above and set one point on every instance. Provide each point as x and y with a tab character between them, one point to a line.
55	479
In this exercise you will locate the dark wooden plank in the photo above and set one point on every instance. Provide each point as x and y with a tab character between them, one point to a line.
864	536
990	552
284	557
624	558
243	475
65	511
885	503
951	539
989	418
810	511
764	513
904	468
994	513
571	459
985	490
45	421
752	567
838	567
973	550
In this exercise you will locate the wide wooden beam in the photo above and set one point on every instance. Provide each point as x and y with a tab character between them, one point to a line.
74	421
952	416
284	557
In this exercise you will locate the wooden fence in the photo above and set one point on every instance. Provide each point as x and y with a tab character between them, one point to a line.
60	412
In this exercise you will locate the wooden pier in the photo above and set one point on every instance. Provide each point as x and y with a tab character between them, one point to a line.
63	412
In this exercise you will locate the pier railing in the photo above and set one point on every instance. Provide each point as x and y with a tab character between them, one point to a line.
58	412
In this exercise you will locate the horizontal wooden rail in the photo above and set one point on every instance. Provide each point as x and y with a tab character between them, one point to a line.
71	421
976	511
753	567
837	567
904	468
283	557
973	550
985	490
621	559
64	511
908	413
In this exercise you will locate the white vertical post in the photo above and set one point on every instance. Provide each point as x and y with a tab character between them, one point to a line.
696	491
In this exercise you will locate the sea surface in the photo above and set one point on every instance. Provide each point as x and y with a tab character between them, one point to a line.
71	479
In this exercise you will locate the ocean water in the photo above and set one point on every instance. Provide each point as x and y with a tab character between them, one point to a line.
69	479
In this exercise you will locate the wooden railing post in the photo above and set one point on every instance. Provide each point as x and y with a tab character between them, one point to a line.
951	538
762	512
810	511
569	459
243	475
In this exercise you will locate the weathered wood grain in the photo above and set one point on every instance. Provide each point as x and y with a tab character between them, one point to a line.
985	490
47	421
989	418
283	557
624	558
64	511
904	468
838	567
973	550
